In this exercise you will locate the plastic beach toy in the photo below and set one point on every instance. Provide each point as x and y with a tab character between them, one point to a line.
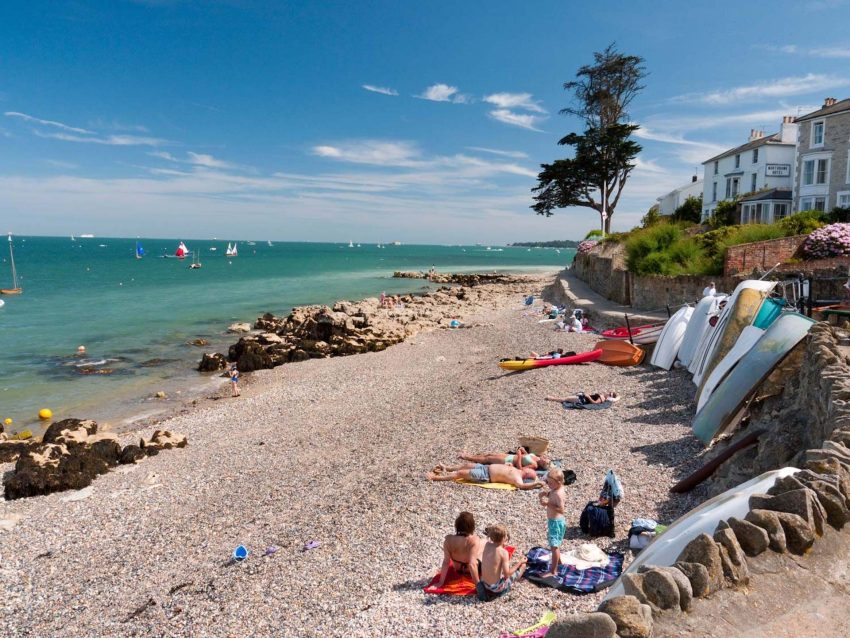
311	545
240	553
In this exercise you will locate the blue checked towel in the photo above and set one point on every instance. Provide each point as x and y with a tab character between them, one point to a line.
576	581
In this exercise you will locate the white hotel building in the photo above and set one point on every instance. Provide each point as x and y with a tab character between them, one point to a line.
764	163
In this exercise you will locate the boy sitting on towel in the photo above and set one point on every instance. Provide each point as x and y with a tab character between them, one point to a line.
497	574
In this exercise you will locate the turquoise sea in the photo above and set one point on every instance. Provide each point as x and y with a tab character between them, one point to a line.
136	317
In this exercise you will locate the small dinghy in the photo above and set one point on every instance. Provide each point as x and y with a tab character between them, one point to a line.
620	353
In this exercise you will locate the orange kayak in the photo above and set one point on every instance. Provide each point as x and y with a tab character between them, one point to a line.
619	353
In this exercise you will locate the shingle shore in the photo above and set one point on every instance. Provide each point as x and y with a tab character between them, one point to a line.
335	450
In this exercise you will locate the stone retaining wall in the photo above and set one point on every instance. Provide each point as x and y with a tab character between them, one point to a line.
763	255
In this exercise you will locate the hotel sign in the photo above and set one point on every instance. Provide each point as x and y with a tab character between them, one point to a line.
777	170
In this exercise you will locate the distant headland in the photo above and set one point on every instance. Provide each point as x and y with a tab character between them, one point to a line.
557	243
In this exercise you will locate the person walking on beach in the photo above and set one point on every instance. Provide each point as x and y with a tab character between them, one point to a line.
497	573
234	381
709	290
553	501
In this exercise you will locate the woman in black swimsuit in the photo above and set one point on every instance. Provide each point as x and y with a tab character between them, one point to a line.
463	549
584	399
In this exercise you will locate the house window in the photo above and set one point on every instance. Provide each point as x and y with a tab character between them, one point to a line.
714	192
813	203
753	178
755	156
848	166
735	186
738	161
808	172
728	187
843	199
820	175
820	203
716	167
780	211
817	133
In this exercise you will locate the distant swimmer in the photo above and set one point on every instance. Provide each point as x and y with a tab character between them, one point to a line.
81	350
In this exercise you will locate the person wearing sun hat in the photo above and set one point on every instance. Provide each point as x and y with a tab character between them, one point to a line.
585	556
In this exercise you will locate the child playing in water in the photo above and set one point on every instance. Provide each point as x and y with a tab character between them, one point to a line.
553	501
497	574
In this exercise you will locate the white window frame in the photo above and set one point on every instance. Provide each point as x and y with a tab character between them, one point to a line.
848	167
786	210
717	167
825	173
714	192
804	178
806	204
738	160
814	144
838	197
755	156
825	199
736	187
753	179
811	202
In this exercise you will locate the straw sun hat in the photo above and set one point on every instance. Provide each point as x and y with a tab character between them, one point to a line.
586	556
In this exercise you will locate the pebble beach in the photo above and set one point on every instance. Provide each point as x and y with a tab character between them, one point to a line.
336	451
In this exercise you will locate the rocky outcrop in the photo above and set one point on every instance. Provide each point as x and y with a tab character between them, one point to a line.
212	362
464	279
72	454
347	328
633	618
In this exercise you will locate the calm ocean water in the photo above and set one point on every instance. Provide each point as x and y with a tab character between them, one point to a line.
136	316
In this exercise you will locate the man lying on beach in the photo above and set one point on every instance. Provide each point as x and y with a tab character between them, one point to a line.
581	397
521	459
554	354
481	473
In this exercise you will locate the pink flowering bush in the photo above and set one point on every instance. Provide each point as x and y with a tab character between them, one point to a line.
587	245
829	241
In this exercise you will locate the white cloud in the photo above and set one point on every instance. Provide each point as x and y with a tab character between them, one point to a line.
517	119
493	151
374	152
109	140
36	120
817	52
782	87
163	155
514	101
831	52
61	164
380	89
208	161
444	93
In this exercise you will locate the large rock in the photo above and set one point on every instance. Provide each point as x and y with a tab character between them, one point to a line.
704	550
799	535
582	625
697	576
769	522
633	619
833	467
69	431
657	589
10	450
830	498
802	502
239	327
212	362
249	355
752	538
732	557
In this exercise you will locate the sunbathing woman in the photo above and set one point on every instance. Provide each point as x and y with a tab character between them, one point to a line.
584	399
462	549
521	459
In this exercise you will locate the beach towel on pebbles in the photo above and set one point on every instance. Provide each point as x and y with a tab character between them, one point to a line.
457	583
569	405
572	580
486	486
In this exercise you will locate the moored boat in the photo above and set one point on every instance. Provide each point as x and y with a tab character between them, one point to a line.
528	364
670	340
15	289
644	335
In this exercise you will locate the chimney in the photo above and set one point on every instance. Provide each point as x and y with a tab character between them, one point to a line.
755	135
694	179
829	102
788	130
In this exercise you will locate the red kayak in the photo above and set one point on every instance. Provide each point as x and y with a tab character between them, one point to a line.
645	334
528	364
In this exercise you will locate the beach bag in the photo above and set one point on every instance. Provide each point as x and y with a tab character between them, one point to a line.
597	520
534	444
612	489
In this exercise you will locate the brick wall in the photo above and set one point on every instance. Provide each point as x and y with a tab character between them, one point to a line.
763	255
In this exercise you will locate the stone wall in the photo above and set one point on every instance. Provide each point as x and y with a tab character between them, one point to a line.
659	291
604	270
763	255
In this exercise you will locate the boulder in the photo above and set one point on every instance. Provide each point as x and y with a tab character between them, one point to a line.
799	535
53	467
732	557
704	550
584	625
249	355
633	586
212	362
69	431
199	342
239	327
162	440
802	502
830	498
633	619
698	577
10	450
769	522
686	592
752	538
131	454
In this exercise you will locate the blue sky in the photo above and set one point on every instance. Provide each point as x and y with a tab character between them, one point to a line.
374	121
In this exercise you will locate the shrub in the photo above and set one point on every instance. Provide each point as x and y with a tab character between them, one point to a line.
724	214
839	214
596	232
802	223
587	245
690	210
642	244
829	241
651	218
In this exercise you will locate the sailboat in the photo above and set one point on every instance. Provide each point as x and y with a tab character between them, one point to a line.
196	260
231	250
181	251
140	252
15	289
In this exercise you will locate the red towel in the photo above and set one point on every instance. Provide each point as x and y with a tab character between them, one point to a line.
457	584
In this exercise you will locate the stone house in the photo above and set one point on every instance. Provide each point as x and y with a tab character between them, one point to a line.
822	175
764	162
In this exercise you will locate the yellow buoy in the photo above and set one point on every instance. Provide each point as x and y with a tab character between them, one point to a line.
8	421
45	413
